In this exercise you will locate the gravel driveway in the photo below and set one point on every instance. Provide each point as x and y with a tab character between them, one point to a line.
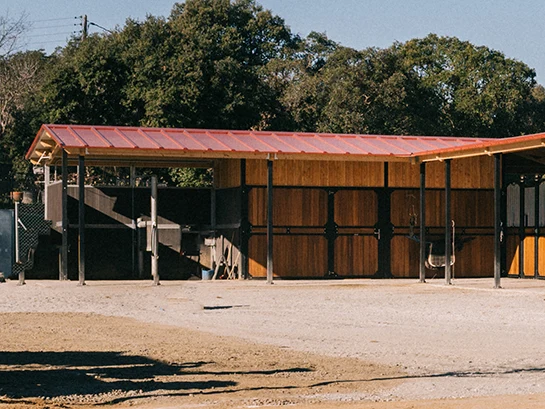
453	341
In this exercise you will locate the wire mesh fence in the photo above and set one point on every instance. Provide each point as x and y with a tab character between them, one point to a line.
30	226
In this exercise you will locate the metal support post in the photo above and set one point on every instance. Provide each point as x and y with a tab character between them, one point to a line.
47	180
331	232
213	225
536	227
64	222
134	233
154	232
81	220
17	254
269	221
497	221
422	223
245	226
448	226
522	224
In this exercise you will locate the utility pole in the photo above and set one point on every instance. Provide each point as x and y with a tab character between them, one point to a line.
84	27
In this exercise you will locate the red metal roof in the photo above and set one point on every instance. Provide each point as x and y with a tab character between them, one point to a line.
207	143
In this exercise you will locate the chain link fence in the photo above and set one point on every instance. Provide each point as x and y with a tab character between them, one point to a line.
31	225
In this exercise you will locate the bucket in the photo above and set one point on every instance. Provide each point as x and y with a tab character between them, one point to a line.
207	274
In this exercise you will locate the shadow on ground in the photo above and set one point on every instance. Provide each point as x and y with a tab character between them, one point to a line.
54	374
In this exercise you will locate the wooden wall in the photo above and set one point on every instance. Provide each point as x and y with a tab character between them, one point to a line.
474	224
291	207
294	256
513	252
227	173
303	252
467	173
304	211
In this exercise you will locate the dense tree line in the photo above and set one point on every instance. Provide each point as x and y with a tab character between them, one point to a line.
232	64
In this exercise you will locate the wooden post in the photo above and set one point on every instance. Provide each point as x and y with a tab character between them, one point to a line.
384	229
422	222
269	221
81	220
448	226
154	232
64	222
497	221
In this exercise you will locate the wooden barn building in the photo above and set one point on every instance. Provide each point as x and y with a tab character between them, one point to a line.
306	205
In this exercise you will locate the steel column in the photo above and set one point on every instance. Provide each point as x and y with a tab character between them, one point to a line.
154	232
213	224
522	224
17	255
269	221
134	247
331	231
423	222
245	227
448	226
47	178
81	220
536	227
64	222
497	221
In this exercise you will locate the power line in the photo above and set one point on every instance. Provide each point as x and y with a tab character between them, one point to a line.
52	34
46	27
43	42
54	19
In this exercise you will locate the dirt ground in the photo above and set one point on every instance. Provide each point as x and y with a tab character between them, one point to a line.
68	359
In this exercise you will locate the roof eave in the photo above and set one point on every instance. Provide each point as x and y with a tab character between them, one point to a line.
488	149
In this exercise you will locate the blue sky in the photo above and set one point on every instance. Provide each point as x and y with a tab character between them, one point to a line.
515	28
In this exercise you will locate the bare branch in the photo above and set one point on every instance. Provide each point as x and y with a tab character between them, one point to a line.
11	31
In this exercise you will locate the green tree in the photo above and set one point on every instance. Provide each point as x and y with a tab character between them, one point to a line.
477	91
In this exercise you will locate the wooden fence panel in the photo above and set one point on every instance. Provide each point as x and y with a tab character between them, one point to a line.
291	207
294	256
355	208
356	255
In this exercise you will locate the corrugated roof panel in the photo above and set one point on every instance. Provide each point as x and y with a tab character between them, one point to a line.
377	147
209	141
278	144
161	139
323	144
348	145
138	138
302	142
108	137
66	137
251	140
417	144
231	141
185	140
403	144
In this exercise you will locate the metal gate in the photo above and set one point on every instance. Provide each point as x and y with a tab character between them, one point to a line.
31	225
7	242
